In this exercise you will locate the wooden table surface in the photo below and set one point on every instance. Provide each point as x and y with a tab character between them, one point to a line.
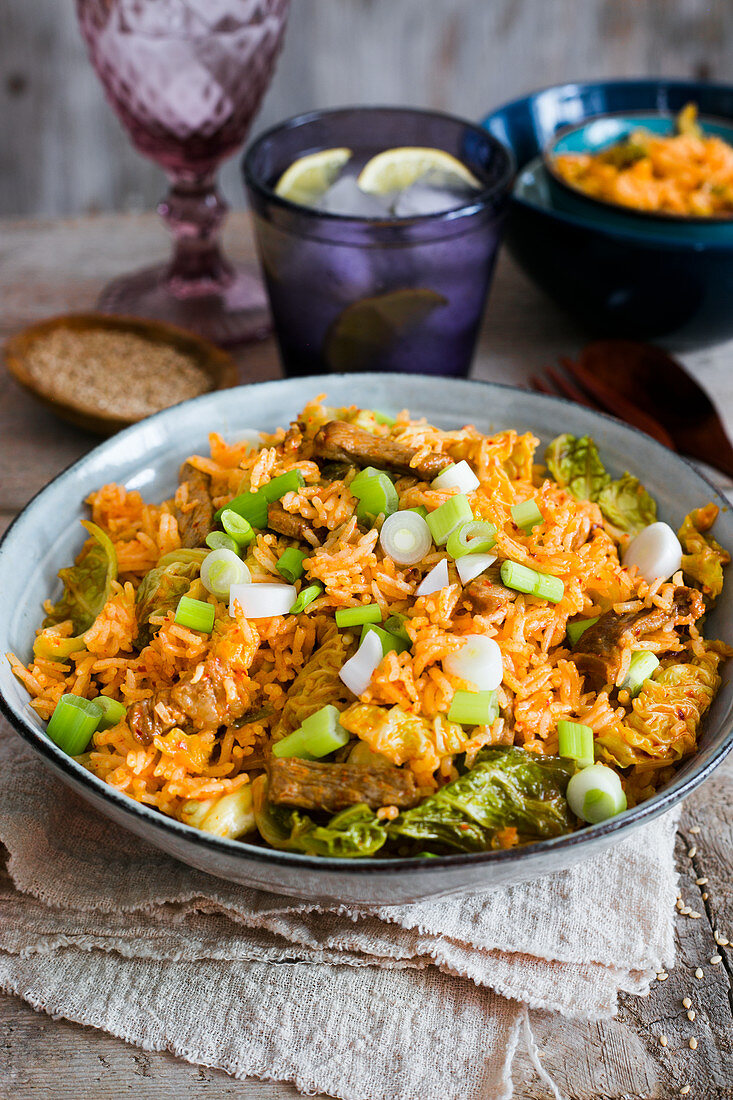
55	266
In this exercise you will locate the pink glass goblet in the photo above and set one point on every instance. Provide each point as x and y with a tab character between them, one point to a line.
186	78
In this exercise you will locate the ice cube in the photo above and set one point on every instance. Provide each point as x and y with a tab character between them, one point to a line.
432	193
346	197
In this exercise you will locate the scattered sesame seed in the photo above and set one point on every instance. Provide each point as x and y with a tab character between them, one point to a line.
663	1040
721	940
685	910
684	1090
691	1015
701	882
693	1043
698	972
663	976
705	896
695	915
692	852
695	829
716	959
686	1002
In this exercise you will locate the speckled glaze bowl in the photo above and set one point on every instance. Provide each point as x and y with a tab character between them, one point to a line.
147	456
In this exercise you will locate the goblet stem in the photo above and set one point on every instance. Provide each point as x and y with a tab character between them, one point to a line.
193	211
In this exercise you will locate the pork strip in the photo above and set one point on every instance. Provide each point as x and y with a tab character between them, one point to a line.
486	596
599	648
289	524
196	518
310	785
341	442
191	705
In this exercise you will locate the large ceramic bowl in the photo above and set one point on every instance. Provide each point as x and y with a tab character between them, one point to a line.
147	457
617	274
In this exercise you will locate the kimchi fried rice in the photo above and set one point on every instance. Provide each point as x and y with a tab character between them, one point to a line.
521	651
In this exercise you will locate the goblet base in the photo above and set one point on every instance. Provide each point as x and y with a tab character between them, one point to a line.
231	312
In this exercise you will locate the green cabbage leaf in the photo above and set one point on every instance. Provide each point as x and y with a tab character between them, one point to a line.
162	587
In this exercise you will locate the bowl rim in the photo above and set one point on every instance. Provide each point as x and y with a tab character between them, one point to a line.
689	220
488	195
576	221
616	827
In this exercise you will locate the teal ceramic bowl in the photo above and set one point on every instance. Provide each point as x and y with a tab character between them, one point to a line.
147	457
599	133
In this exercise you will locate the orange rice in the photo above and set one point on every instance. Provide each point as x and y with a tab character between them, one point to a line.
287	666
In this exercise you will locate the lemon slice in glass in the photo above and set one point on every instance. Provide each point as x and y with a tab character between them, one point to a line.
309	177
396	169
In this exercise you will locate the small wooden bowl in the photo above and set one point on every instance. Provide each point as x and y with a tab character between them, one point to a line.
217	364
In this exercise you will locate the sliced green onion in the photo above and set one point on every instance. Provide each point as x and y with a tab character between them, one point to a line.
320	734
420	509
383	418
459	476
217	540
595	794
471	566
641	666
290	564
288	482
376	495
251	506
475	537
112	711
220	570
305	598
405	537
522	579
391	643
474	708
436	579
576	630
395	624
73	722
195	614
478	661
526	515
355	616
357	672
237	527
576	742
261	601
444	520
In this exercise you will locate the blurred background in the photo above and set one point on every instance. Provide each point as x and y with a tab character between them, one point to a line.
62	151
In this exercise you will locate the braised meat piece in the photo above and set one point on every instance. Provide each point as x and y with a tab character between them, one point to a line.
486	595
310	785
200	701
341	442
291	525
599	648
196	516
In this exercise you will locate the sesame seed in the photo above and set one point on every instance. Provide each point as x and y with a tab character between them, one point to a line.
695	829
662	976
721	940
663	1040
701	882
684	1090
694	915
716	959
698	972
693	1043
686	1002
691	1015
685	910
705	896
692	852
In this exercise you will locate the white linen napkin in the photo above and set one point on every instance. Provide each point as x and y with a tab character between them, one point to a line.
425	1001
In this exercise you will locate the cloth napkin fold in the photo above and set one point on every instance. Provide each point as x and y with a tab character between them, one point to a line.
426	1000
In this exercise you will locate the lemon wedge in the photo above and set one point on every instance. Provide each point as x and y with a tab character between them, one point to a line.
397	169
309	177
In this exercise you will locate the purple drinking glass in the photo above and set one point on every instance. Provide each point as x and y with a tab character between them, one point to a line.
186	78
377	293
